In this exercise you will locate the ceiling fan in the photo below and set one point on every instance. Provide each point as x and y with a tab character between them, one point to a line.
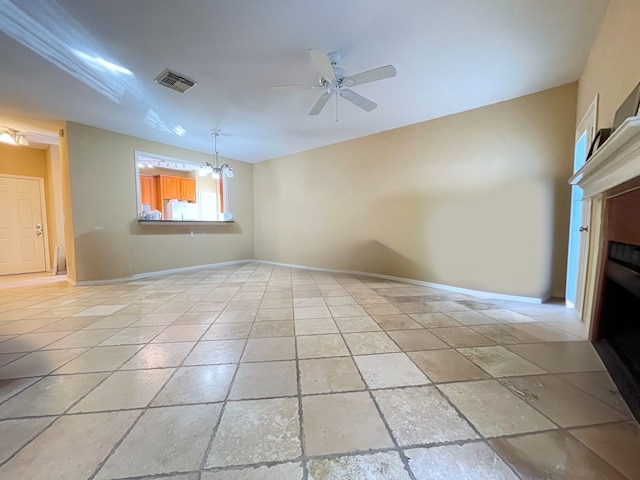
335	81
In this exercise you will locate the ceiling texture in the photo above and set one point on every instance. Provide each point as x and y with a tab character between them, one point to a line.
94	62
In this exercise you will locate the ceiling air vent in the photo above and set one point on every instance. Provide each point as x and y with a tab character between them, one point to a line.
174	81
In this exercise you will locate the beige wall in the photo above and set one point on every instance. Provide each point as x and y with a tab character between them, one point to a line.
476	200
613	66
108	241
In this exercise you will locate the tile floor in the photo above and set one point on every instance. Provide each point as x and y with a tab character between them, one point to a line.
261	372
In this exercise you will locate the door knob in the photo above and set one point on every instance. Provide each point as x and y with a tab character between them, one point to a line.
584	229
39	229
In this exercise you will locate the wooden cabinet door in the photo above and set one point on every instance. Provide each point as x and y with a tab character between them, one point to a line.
148	194
170	187
188	189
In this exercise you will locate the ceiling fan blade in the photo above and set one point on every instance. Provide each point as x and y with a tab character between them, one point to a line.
322	63
296	86
380	73
357	99
322	101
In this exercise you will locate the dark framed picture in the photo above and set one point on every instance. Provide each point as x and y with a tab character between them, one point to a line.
598	141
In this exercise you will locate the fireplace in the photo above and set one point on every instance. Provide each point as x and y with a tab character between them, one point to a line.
617	339
610	181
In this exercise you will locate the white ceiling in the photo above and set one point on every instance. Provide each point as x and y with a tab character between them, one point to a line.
450	55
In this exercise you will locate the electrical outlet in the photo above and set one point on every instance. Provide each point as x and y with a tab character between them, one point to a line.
191	234
204	235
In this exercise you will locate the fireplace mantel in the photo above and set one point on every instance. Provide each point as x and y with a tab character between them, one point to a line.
617	161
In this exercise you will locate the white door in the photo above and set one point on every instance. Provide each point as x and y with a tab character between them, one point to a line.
22	248
580	216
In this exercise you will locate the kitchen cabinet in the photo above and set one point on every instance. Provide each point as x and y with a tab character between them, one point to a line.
148	192
176	188
188	189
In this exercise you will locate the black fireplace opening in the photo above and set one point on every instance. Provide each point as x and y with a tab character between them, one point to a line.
618	342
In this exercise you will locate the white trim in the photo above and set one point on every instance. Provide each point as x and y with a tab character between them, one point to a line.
139	276
617	161
476	293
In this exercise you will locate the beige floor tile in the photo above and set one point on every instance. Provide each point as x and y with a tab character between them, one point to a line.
30	342
547	333
421	415
347	310
256	431
381	309
234	316
500	362
447	366
228	331
112	321
506	315
412	340
243	304
432	320
329	375
304	302
470	461
301	313
389	370
156	320
357	324
283	471
461	337
214	352
265	379
370	342
553	456
201	384
272	314
396	322
562	402
562	357
99	310
24	326
342	422
126	389
415	307
9	388
617	443
341	300
71	448
505	334
15	433
181	333
598	384
10	357
180	434
387	465
315	326
51	395
39	363
278	303
470	317
83	338
268	349
159	356
100	359
197	318
316	346
133	336
493	409
276	328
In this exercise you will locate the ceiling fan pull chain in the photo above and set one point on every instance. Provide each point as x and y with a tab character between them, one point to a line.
337	107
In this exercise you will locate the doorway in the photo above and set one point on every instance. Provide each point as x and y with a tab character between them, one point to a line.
23	246
580	215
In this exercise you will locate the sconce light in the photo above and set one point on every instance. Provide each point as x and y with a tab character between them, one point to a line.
13	137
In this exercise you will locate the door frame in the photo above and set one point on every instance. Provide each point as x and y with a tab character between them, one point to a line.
588	123
43	209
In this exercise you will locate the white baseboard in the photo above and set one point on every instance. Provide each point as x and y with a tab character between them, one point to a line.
158	273
466	291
